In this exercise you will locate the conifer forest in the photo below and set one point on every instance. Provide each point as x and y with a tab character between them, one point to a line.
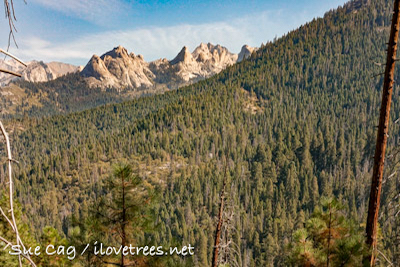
273	157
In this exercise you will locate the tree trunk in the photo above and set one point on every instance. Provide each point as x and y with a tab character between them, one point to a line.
379	158
219	225
328	255
123	232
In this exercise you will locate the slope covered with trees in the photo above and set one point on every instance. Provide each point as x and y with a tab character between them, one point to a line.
296	122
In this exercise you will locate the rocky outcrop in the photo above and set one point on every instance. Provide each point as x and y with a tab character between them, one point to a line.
205	61
120	69
36	71
117	68
184	57
245	52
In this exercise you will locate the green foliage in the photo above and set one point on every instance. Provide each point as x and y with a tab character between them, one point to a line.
6	232
125	206
121	216
298	118
328	239
66	94
50	236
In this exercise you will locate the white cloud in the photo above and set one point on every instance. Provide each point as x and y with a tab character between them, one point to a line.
95	11
157	42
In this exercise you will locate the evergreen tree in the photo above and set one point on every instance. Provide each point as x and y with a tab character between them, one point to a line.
328	239
122	215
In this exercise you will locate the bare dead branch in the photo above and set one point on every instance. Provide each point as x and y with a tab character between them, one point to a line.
383	255
8	220
220	220
15	58
12	221
397	213
12	56
10	16
379	64
10	72
379	74
9	244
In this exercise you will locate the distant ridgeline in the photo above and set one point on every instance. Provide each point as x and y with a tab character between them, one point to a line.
57	88
296	122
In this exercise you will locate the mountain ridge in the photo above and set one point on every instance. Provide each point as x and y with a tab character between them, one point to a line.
36	71
313	138
118	68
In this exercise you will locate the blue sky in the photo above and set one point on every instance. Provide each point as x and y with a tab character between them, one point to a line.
72	31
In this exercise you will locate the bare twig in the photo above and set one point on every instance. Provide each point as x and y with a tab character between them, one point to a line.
219	224
15	58
397	213
9	244
383	255
12	221
379	74
8	220
12	56
379	64
10	15
10	72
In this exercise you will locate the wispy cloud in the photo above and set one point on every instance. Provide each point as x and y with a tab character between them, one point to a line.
95	11
157	42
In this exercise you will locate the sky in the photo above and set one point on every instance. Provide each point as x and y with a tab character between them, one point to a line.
71	31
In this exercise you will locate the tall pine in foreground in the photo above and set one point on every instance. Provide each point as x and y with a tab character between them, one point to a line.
122	216
328	239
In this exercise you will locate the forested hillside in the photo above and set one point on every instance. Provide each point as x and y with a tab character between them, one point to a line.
67	94
104	80
295	122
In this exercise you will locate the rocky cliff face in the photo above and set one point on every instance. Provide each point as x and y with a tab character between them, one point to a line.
120	69
117	68
36	71
245	52
207	60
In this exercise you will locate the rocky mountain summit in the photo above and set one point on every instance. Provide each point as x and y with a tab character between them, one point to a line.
36	71
245	52
118	68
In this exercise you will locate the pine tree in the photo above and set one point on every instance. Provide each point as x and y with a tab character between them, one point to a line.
123	212
328	239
